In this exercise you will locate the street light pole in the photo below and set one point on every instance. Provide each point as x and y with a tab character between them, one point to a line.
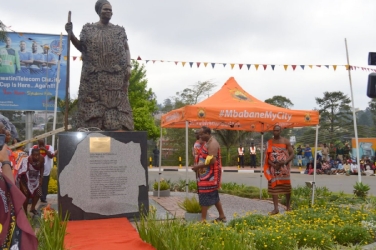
46	47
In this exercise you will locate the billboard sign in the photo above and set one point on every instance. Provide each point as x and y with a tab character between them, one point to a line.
28	71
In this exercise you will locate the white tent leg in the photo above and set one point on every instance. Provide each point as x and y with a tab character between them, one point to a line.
186	158
160	162
314	165
261	162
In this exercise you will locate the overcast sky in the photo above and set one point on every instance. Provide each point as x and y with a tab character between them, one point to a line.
237	31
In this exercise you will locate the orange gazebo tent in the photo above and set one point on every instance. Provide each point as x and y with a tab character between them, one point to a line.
232	108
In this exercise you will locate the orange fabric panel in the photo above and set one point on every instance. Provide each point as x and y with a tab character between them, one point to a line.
114	234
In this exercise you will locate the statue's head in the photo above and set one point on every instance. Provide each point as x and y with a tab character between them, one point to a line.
103	9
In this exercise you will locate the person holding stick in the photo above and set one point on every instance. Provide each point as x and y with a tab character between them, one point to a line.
106	67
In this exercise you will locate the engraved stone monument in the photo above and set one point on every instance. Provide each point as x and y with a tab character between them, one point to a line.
102	174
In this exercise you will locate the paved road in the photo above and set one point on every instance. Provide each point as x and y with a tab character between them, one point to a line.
335	183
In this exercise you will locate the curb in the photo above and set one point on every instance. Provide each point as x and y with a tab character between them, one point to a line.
225	170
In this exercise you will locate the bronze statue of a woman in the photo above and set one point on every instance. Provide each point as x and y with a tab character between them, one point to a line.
103	93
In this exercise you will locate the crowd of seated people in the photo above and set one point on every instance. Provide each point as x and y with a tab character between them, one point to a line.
346	166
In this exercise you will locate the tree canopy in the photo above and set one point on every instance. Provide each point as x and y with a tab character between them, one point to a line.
335	111
143	101
280	101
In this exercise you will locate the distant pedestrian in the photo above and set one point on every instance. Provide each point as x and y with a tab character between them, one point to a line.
156	156
241	156
252	153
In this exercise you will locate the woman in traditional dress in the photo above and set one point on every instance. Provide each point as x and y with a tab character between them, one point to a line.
15	229
209	175
103	93
278	158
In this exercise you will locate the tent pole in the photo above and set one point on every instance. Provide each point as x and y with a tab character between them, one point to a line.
354	116
261	162
314	165
160	162
186	158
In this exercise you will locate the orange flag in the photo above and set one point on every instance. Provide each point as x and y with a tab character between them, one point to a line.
347	67
232	65
65	58
256	66
183	63
285	66
310	66
205	63
334	67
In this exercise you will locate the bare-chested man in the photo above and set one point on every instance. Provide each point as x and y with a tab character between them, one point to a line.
30	177
209	174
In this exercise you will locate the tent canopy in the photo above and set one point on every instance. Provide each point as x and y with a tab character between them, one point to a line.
232	108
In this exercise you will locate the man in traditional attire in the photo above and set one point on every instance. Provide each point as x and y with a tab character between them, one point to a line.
278	158
30	177
209	175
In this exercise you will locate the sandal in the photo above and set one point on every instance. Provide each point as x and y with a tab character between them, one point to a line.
219	219
274	212
35	212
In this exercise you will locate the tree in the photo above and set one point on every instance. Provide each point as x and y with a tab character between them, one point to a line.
143	101
335	111
372	108
3	32
280	101
195	93
228	139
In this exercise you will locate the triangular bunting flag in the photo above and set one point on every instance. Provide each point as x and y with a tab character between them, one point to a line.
265	66
273	66
213	64
285	66
256	66
351	67
153	61
161	61
190	64
30	39
198	64
310	66
205	63
327	66
74	58
176	62
248	66
80	58
319	66
138	58
65	58
224	64
20	34
232	65
240	66
334	67
147	61
347	67
293	67
302	66
183	63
